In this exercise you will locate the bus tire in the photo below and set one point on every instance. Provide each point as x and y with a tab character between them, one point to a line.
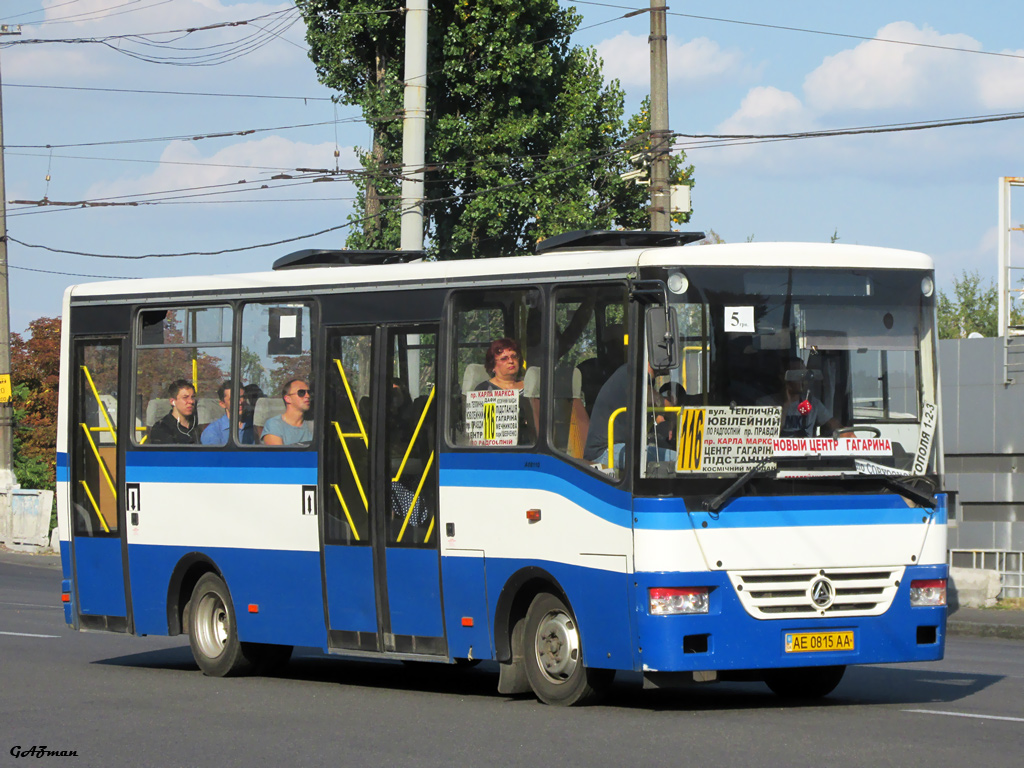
553	655
212	632
804	682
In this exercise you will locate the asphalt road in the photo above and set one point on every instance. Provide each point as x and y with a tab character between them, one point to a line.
118	700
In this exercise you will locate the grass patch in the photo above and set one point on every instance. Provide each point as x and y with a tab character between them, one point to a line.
1009	604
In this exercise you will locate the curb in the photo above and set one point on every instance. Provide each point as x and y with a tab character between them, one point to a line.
976	629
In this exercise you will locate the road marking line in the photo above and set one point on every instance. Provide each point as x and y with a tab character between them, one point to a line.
31	605
964	714
25	634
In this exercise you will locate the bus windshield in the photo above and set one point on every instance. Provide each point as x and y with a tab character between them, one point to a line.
798	371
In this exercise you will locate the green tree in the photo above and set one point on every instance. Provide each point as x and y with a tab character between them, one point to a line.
972	308
524	139
35	374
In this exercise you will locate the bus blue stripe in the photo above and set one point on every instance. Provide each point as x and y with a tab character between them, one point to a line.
227	467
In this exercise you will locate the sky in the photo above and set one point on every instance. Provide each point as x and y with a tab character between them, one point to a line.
202	122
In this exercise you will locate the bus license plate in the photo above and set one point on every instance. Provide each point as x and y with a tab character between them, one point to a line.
809	642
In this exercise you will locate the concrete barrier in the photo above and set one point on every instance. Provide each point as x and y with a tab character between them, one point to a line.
27	528
973	588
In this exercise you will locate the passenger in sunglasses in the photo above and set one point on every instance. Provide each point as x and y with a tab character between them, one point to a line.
291	426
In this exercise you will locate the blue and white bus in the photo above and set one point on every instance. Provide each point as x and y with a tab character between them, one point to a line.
625	452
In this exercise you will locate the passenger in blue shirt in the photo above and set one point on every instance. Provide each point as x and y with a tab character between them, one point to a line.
217	431
291	426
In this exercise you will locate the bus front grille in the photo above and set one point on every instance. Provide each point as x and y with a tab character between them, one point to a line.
790	594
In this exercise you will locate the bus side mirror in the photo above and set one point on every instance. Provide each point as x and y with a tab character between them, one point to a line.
662	342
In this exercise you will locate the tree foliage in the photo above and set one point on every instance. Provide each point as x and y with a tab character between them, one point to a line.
972	308
35	375
524	138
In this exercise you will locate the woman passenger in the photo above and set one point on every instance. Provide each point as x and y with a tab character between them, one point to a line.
504	363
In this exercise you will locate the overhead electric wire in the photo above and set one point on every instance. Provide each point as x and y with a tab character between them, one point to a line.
707	140
185	137
808	31
168	93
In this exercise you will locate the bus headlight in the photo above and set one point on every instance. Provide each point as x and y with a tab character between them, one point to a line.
928	592
666	601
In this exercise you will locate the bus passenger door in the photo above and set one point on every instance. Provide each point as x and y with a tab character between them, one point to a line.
97	538
412	578
380	545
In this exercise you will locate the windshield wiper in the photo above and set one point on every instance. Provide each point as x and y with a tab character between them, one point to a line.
713	505
921	498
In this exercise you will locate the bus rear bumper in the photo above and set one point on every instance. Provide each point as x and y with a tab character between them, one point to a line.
728	638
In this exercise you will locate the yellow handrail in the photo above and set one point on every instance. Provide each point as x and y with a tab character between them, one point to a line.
344	506
195	375
701	348
416	496
99	460
102	406
352	401
415	434
611	432
95	506
430	529
351	463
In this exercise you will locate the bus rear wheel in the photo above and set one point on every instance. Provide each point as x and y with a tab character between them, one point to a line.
553	655
804	682
213	635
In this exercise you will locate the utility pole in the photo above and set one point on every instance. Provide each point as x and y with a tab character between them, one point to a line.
7	479
414	125
661	194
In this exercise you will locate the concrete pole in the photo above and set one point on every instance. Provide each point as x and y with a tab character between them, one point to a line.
7	479
661	195
414	125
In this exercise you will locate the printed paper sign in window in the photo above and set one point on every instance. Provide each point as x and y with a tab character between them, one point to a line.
492	417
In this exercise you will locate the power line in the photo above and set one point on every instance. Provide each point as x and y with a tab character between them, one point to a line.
714	140
169	93
808	31
188	137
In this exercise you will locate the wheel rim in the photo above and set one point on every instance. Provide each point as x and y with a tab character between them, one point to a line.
557	646
211	625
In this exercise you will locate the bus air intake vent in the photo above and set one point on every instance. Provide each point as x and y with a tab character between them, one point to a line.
788	594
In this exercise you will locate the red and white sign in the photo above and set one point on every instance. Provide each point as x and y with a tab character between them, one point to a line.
828	446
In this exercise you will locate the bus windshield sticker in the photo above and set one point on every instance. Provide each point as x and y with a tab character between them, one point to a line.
830	446
739	319
929	420
726	439
492	417
870	468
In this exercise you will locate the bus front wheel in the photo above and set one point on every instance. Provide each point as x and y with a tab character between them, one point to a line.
213	635
804	682
554	656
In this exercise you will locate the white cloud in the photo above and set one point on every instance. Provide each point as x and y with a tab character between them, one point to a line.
230	165
766	109
700	61
878	75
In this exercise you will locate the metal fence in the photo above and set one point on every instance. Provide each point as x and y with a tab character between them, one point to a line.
1009	564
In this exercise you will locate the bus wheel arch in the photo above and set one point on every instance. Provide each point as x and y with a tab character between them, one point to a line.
186	574
514	602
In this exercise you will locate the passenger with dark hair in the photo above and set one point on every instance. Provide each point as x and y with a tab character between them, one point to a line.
180	425
504	363
291	426
217	432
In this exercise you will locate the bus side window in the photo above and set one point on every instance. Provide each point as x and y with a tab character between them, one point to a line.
490	407
276	349
192	344
588	347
